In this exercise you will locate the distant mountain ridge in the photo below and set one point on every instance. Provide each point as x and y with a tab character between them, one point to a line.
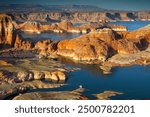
40	8
74	13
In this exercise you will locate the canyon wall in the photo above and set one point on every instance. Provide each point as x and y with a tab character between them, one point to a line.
6	30
9	36
80	16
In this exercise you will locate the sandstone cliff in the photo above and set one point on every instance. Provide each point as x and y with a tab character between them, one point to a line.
9	36
81	16
60	27
66	26
6	30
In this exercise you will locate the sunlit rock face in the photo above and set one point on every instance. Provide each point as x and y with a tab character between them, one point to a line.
6	30
124	46
30	26
142	33
88	47
9	36
59	27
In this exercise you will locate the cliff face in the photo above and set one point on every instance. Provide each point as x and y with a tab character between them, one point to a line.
21	44
81	16
7	33
66	26
9	36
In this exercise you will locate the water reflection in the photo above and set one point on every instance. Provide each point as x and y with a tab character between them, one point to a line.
92	68
48	35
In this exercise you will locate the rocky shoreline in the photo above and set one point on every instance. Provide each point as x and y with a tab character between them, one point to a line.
25	65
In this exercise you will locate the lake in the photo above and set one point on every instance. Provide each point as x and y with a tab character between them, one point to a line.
133	81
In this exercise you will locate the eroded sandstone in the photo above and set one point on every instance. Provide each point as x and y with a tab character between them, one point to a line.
62	95
106	95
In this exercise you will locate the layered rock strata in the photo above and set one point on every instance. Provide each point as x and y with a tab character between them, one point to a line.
7	36
81	16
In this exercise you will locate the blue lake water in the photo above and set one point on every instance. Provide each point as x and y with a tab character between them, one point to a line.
132	25
48	35
133	81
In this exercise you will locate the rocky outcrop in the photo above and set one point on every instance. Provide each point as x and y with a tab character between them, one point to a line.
62	95
106	95
96	45
22	44
49	75
7	36
124	46
85	48
138	58
46	47
33	70
60	27
24	75
28	26
10	90
142	33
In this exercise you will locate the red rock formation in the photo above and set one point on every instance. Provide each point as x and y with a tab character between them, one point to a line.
8	34
28	26
6	30
21	44
142	33
84	48
46	47
106	34
64	26
124	46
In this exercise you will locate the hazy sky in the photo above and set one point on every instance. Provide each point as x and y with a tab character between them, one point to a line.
111	4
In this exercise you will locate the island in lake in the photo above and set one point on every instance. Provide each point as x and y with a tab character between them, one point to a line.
79	52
